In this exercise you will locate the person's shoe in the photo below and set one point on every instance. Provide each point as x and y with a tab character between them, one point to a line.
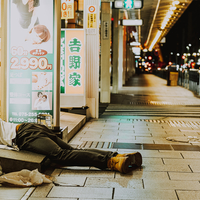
136	158
120	164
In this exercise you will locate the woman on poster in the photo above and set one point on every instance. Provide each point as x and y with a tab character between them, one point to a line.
28	13
42	102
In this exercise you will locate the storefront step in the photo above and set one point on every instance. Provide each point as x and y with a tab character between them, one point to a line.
71	123
11	160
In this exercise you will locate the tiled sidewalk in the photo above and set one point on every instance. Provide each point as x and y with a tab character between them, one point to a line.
165	174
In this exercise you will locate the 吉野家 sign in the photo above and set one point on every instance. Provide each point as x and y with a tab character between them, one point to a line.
30	74
75	74
72	80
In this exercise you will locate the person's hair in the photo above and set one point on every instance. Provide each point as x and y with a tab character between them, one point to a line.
38	94
42	32
44	96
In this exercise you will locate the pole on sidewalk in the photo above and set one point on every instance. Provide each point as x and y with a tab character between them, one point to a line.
57	35
3	77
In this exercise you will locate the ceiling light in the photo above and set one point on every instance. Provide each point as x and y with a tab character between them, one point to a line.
170	12
136	50
131	22
155	40
163	26
173	8
166	19
118	4
135	43
175	3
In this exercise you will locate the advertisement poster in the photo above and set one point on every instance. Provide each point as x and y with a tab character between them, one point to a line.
30	59
67	9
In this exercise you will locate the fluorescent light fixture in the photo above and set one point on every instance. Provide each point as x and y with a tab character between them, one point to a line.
175	3
155	40
135	43
131	22
173	8
163	25
136	50
138	4
137	56
118	4
163	40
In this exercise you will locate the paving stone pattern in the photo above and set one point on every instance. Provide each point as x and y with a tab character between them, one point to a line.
170	170
166	173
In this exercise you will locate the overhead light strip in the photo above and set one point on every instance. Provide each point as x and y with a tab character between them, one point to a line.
155	40
154	17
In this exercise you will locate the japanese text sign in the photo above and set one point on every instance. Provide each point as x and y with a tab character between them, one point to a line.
67	9
91	17
75	75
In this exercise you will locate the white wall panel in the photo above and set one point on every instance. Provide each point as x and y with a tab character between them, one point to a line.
92	61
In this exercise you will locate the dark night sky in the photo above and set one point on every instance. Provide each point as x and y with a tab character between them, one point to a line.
185	31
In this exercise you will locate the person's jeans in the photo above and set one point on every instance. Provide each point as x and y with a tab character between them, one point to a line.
62	153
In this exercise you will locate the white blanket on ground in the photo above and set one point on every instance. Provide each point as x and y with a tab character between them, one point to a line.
185	139
24	178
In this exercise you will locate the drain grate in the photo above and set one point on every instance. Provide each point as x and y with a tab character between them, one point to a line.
173	123
160	103
116	145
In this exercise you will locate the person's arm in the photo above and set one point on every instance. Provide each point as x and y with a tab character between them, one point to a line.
33	19
37	103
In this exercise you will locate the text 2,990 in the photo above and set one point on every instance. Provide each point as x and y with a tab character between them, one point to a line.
32	63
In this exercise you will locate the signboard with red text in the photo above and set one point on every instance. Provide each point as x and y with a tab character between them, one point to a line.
91	19
30	75
67	9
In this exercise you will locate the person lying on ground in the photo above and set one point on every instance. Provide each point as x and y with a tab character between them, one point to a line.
40	139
